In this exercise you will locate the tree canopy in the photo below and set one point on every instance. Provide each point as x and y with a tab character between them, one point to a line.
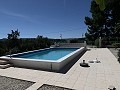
14	34
105	20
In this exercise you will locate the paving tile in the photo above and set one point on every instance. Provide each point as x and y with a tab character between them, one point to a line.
50	82
101	84
62	79
89	88
78	87
35	86
68	84
59	83
101	89
90	83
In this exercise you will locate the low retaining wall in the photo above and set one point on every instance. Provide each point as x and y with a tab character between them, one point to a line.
70	45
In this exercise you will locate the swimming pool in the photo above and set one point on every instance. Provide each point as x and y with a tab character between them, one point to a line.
48	54
53	59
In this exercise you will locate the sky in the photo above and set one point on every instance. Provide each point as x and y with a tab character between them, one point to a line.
48	18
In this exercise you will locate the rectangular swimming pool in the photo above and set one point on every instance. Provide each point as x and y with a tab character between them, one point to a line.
46	59
49	54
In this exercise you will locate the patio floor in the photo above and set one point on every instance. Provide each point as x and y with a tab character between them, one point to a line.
99	76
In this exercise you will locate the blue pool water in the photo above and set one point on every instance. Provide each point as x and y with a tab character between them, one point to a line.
48	54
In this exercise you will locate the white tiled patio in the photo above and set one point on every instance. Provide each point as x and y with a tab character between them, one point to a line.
97	77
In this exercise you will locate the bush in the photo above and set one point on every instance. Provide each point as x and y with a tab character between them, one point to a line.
97	42
2	51
74	41
119	56
116	45
14	50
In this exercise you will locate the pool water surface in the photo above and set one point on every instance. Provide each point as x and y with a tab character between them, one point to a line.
48	54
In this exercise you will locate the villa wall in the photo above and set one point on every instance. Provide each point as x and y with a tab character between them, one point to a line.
71	45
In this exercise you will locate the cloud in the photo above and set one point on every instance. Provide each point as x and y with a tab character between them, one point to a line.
18	15
12	14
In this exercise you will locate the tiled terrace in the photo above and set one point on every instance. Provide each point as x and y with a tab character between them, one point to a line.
97	77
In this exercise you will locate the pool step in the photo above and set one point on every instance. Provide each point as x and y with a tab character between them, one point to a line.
4	64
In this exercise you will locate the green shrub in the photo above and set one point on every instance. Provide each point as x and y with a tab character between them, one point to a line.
97	42
74	41
2	51
14	50
116	45
119	56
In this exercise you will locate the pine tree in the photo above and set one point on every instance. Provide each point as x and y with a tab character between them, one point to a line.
105	20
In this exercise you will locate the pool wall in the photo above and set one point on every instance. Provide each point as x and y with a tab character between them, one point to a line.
70	57
43	64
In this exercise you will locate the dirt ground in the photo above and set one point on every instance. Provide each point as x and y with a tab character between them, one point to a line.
114	51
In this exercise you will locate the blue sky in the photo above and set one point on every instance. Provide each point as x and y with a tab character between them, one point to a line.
48	18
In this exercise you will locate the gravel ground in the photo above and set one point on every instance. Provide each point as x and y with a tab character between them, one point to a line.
7	83
50	87
114	51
